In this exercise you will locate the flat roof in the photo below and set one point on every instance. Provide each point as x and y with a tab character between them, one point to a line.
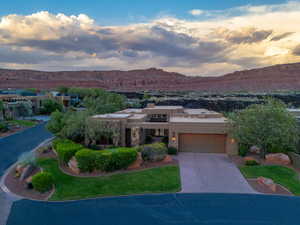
165	107
112	116
199	111
131	110
137	116
177	119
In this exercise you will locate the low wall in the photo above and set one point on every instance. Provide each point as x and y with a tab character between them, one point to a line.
295	159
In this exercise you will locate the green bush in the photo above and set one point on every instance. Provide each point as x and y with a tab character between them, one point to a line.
42	182
251	163
66	149
105	160
86	160
172	151
154	152
3	127
243	150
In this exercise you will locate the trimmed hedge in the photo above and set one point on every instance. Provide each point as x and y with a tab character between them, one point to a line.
105	160
66	149
251	163
154	152
172	151
86	160
42	181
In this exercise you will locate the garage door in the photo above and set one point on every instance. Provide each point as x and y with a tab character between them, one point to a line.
203	143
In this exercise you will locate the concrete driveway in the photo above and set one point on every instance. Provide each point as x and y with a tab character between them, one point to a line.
202	172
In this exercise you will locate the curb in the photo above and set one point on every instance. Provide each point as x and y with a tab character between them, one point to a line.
2	179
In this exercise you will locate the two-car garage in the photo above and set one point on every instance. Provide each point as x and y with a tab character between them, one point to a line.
202	143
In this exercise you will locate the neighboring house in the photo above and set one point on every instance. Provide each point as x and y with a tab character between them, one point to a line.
189	130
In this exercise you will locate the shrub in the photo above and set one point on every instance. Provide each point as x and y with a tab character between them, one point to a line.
50	105
243	150
66	149
111	160
86	160
42	182
251	163
3	127
105	160
148	139
154	152
172	151
123	157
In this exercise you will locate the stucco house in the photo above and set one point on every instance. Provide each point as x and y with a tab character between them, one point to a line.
189	130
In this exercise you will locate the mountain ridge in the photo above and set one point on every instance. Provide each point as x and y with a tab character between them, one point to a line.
276	77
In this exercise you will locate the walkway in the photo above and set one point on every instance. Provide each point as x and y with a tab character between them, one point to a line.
202	172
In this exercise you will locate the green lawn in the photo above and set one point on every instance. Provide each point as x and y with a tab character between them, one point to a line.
279	174
23	123
156	180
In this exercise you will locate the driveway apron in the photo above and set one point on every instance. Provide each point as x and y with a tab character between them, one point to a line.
210	172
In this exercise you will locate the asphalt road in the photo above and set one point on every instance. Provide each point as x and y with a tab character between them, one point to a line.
205	209
166	209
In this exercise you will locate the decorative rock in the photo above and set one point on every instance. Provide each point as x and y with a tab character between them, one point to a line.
269	183
19	168
73	165
168	159
137	163
278	158
27	171
254	149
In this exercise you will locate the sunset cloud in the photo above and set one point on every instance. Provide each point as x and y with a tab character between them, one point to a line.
234	39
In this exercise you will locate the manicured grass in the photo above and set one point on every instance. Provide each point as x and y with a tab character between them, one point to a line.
279	174
23	123
156	180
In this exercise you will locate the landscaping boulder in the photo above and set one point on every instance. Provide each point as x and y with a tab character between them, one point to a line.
254	149
278	158
28	182
73	165
267	182
19	169
27	171
168	159
137	163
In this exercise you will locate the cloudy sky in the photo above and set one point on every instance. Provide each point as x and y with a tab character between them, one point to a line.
192	37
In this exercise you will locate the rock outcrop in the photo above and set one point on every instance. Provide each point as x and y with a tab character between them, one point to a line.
278	77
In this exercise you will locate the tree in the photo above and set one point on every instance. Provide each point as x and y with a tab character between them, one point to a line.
269	126
62	89
56	123
106	102
74	126
25	109
50	105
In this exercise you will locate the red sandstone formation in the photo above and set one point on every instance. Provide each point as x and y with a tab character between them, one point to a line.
278	77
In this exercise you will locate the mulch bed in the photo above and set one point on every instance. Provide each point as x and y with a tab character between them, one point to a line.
46	154
20	187
280	190
97	173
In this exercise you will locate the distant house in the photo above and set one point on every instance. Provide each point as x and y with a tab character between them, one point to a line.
188	130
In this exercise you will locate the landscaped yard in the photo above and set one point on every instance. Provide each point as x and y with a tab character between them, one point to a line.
279	174
156	180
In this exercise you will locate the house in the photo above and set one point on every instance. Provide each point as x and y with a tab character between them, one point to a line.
188	130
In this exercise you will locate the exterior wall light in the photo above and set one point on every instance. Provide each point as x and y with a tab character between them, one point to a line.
232	141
